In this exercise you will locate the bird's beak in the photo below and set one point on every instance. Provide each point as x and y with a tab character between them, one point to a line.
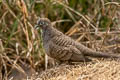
36	27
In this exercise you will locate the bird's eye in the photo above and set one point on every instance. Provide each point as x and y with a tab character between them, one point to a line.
42	23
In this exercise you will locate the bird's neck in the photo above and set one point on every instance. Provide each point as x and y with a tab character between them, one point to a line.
50	32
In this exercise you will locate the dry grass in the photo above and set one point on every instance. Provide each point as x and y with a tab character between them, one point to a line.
96	70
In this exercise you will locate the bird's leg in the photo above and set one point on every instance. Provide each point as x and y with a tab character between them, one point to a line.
50	62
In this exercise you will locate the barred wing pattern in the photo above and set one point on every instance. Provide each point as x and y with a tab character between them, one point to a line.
61	48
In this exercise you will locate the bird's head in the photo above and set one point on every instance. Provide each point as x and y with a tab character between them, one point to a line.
42	23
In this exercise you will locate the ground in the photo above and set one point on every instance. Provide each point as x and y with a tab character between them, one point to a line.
95	70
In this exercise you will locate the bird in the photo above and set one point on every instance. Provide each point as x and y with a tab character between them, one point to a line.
63	48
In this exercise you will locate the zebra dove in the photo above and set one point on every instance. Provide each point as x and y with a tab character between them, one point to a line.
61	47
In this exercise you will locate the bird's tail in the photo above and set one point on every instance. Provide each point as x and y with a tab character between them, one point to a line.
89	52
101	54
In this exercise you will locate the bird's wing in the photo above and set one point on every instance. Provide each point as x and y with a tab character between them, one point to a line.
63	40
64	53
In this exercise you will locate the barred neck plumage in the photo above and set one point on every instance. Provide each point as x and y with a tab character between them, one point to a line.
50	32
